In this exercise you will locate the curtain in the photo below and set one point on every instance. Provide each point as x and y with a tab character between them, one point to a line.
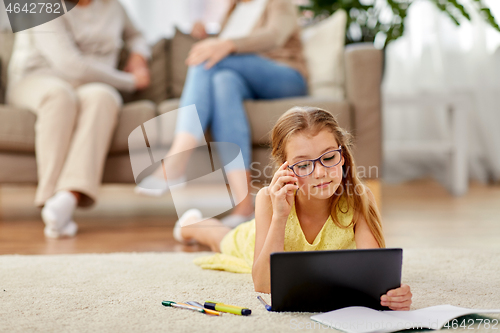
435	55
4	20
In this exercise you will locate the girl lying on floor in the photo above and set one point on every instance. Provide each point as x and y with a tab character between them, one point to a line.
315	201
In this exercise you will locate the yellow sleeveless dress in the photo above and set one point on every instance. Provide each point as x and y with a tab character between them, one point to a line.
237	247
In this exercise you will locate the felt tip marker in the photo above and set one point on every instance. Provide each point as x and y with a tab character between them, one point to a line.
237	310
182	306
267	306
207	311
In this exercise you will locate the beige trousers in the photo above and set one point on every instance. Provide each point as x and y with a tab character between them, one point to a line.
73	132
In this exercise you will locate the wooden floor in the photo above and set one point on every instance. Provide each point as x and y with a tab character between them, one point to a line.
415	214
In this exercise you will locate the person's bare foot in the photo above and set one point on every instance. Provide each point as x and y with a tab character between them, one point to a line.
187	227
183	234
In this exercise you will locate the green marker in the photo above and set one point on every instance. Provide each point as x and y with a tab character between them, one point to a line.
237	310
182	306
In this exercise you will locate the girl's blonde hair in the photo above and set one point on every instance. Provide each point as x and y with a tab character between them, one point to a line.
312	120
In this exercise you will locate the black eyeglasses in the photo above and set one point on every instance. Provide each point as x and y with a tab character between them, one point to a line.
328	160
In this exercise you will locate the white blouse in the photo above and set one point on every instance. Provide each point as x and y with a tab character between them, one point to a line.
243	19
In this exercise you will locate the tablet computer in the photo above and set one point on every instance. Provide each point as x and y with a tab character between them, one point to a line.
319	281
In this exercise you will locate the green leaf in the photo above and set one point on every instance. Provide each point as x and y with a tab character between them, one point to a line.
395	29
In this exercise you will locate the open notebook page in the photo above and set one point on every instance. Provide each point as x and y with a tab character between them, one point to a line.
358	319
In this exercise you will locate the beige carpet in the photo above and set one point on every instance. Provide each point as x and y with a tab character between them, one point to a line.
123	292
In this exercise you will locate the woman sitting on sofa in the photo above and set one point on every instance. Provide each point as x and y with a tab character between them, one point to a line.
258	55
65	72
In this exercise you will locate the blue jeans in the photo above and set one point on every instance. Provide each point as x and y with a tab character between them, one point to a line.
218	94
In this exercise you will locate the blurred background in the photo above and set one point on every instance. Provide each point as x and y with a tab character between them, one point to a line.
439	54
440	107
445	51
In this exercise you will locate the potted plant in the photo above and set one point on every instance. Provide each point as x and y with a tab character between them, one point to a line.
370	19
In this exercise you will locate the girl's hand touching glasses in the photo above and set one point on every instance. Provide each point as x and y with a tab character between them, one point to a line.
282	191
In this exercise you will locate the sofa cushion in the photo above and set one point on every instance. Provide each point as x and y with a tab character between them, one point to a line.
17	127
17	168
261	168
324	50
6	45
118	169
169	128
263	114
132	115
159	66
180	47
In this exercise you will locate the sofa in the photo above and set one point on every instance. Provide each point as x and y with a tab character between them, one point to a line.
359	110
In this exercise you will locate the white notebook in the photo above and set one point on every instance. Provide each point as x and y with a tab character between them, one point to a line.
358	319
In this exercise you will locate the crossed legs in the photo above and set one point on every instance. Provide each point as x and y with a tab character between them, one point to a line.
218	94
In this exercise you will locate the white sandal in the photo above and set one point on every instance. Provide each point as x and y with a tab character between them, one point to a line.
180	223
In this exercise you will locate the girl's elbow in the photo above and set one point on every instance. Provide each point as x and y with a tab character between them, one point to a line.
261	288
259	285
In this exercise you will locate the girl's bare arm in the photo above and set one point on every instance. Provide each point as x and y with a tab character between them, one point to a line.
272	206
362	234
269	238
398	299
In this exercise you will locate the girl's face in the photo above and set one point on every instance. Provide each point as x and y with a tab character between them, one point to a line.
322	182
